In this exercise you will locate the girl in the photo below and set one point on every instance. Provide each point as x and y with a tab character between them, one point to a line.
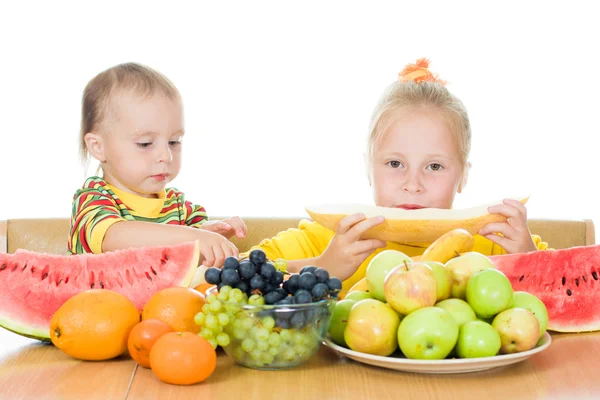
132	123
417	157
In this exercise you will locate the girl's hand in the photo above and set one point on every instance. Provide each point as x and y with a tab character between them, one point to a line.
215	248
233	226
516	237
347	251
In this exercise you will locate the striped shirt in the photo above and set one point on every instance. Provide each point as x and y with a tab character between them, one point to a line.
98	205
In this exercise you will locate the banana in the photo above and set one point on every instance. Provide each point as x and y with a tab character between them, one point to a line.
449	245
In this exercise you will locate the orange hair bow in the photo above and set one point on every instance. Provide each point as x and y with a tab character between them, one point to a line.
419	72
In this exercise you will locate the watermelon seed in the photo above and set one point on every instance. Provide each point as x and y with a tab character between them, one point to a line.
67	279
584	278
32	270
153	271
24	267
101	285
577	282
2	267
44	276
15	267
58	282
521	278
595	275
92	286
149	277
569	292
564	280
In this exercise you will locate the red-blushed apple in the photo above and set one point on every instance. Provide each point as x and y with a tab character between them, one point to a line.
463	267
519	330
410	287
379	267
372	327
443	279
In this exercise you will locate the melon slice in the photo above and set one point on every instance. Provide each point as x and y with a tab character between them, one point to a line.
566	280
35	285
409	226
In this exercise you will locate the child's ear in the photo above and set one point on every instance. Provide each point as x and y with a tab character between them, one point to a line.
464	178
95	146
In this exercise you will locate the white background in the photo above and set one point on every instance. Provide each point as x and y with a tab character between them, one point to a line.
278	95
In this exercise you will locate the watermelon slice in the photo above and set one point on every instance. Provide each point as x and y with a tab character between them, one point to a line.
35	285
566	280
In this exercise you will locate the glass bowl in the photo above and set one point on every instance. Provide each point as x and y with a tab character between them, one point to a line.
272	337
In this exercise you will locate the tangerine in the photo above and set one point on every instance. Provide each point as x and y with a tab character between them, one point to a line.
177	306
94	325
142	338
182	358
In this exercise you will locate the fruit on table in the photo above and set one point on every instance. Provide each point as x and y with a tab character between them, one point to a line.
463	267
94	325
519	330
567	281
409	226
428	333
357	296
477	339
536	306
443	278
176	306
379	267
409	287
339	321
40	283
459	309
489	292
143	336
449	245
182	358
372	328
360	286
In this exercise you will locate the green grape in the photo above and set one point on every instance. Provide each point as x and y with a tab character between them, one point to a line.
222	296
256	300
222	339
239	354
223	319
225	290
266	358
261	334
218	329
274	340
268	322
281	265
301	350
206	309
286	335
262	346
231	308
215	306
199	318
213	343
298	338
239	333
210	298
247	345
237	323
247	323
211	322
236	294
274	351
206	333
256	354
288	353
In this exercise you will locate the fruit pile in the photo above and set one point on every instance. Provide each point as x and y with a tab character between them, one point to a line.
450	302
262	319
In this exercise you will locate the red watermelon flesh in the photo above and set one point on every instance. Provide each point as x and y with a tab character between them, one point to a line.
566	280
35	285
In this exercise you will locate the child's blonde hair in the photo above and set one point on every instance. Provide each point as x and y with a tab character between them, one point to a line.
139	79
418	94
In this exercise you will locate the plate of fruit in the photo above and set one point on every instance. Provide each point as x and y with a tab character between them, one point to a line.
262	316
449	311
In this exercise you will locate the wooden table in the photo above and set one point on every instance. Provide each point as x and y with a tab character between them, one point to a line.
569	369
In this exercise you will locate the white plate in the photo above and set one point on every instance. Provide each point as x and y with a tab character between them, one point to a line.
451	366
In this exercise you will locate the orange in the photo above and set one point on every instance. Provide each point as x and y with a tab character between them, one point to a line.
142	338
182	358
177	306
94	325
203	287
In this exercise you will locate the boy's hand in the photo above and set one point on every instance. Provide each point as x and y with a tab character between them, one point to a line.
516	237
233	226
347	251
215	248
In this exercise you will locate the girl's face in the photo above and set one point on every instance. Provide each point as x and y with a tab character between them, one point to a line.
417	163
141	143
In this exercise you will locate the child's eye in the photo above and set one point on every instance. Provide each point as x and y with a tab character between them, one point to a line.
144	145
175	143
435	167
395	164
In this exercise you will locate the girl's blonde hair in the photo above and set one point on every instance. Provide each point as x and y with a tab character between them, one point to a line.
418	90
139	79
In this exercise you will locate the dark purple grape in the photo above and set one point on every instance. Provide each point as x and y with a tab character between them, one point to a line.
230	277
302	297
281	291
247	270
282	323
257	282
334	284
307	281
319	291
291	285
321	274
308	268
231	262
243	286
257	257
220	285
298	320
288	300
212	276
277	278
269	287
273	297
267	270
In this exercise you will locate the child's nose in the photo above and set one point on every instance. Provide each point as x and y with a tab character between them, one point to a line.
413	183
165	154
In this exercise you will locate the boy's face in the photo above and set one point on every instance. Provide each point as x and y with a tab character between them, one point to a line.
141	143
417	163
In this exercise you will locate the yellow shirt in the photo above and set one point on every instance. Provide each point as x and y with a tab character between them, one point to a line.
311	239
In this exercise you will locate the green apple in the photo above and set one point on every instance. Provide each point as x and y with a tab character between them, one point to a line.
477	339
443	279
530	302
409	287
379	267
459	309
358	296
429	333
519	330
339	320
372	327
463	267
489	292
